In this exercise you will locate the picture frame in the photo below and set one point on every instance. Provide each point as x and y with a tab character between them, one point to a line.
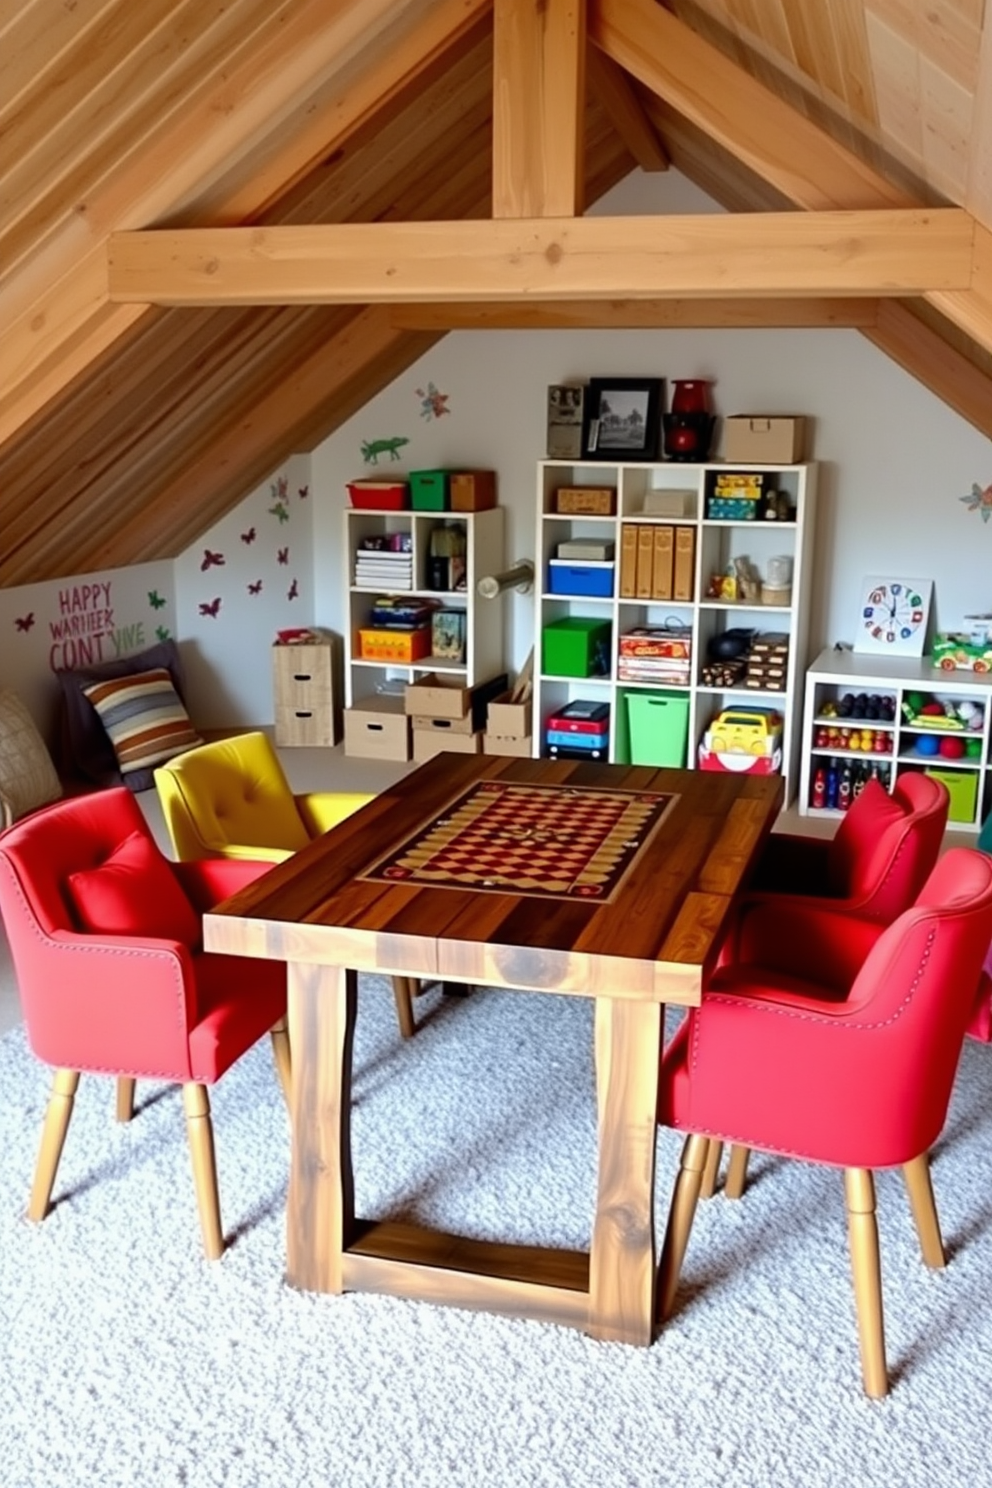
623	418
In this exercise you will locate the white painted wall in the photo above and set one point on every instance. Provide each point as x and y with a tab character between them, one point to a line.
895	463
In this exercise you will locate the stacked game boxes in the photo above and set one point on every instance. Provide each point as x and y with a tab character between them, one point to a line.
736	497
398	629
385	561
579	730
768	662
656	654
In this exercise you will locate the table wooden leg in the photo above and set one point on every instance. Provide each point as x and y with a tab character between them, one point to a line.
622	1275
321	1205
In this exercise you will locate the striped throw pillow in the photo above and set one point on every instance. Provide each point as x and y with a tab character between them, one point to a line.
144	717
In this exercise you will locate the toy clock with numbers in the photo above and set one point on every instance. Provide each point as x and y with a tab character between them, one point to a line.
893	615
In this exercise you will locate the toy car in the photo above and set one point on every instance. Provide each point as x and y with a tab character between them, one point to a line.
744	731
956	652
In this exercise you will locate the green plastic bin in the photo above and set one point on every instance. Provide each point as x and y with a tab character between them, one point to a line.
429	490
577	647
658	723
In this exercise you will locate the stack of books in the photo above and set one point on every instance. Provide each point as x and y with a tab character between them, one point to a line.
383	563
391	612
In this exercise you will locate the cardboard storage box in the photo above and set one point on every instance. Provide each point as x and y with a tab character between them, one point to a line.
520	748
755	438
443	725
599	501
426	745
577	647
377	728
436	696
509	720
472	490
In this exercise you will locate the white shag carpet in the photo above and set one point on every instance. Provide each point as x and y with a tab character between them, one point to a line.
126	1359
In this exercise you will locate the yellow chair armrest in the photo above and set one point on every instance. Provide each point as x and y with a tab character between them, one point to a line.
322	810
251	852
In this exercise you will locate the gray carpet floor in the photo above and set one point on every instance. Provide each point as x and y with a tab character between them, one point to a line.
126	1359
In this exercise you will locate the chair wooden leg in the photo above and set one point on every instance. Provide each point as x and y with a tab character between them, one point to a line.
53	1132
733	1184
711	1171
862	1226
402	995
680	1216
125	1097
921	1202
200	1132
279	1034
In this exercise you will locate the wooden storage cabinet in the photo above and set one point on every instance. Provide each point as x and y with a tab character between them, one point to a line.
895	745
369	677
306	683
666	550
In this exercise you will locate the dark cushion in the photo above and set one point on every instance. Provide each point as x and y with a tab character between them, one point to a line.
86	750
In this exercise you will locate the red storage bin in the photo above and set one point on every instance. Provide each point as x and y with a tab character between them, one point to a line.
379	495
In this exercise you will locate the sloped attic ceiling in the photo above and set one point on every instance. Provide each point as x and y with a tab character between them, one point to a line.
127	428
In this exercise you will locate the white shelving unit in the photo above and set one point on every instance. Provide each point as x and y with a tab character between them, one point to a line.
717	543
484	546
837	673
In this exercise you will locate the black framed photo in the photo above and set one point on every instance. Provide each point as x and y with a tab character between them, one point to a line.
623	418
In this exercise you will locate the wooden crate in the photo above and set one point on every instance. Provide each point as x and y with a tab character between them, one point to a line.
307	693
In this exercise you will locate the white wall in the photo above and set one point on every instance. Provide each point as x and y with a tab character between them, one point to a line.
895	463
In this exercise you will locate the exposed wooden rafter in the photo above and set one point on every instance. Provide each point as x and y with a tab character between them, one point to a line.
645	315
824	253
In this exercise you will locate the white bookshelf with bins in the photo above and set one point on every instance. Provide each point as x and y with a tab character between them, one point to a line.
484	549
716	544
836	674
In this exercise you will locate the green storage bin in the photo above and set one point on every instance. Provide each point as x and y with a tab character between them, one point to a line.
962	787
659	728
577	647
429	490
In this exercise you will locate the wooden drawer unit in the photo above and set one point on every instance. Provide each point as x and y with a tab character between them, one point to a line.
307	689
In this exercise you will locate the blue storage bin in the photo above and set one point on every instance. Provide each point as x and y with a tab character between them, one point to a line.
570	577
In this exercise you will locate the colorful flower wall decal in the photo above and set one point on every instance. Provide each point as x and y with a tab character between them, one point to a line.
432	402
980	500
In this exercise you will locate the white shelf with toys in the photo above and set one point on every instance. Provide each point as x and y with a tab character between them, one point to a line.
866	716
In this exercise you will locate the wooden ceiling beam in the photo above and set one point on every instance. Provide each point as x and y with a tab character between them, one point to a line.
539	49
611	86
793	156
651	315
825	253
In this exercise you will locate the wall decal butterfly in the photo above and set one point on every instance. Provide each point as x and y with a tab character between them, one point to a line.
303	492
255	588
212	608
162	632
155	599
294	590
27	621
249	536
211	560
280	510
283	555
279	490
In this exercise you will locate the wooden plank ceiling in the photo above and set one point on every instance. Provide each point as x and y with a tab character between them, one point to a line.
127	429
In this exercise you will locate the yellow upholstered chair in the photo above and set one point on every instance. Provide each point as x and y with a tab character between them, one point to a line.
231	799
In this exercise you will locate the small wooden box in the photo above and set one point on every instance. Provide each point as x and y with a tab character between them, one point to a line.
426	744
472	490
521	748
306	682
377	728
443	725
508	720
599	501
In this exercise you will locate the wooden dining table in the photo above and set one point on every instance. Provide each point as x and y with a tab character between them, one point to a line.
559	877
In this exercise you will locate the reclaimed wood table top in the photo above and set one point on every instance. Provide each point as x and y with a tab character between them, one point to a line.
648	936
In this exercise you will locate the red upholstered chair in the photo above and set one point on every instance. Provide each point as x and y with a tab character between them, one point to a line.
860	1084
105	936
873	868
